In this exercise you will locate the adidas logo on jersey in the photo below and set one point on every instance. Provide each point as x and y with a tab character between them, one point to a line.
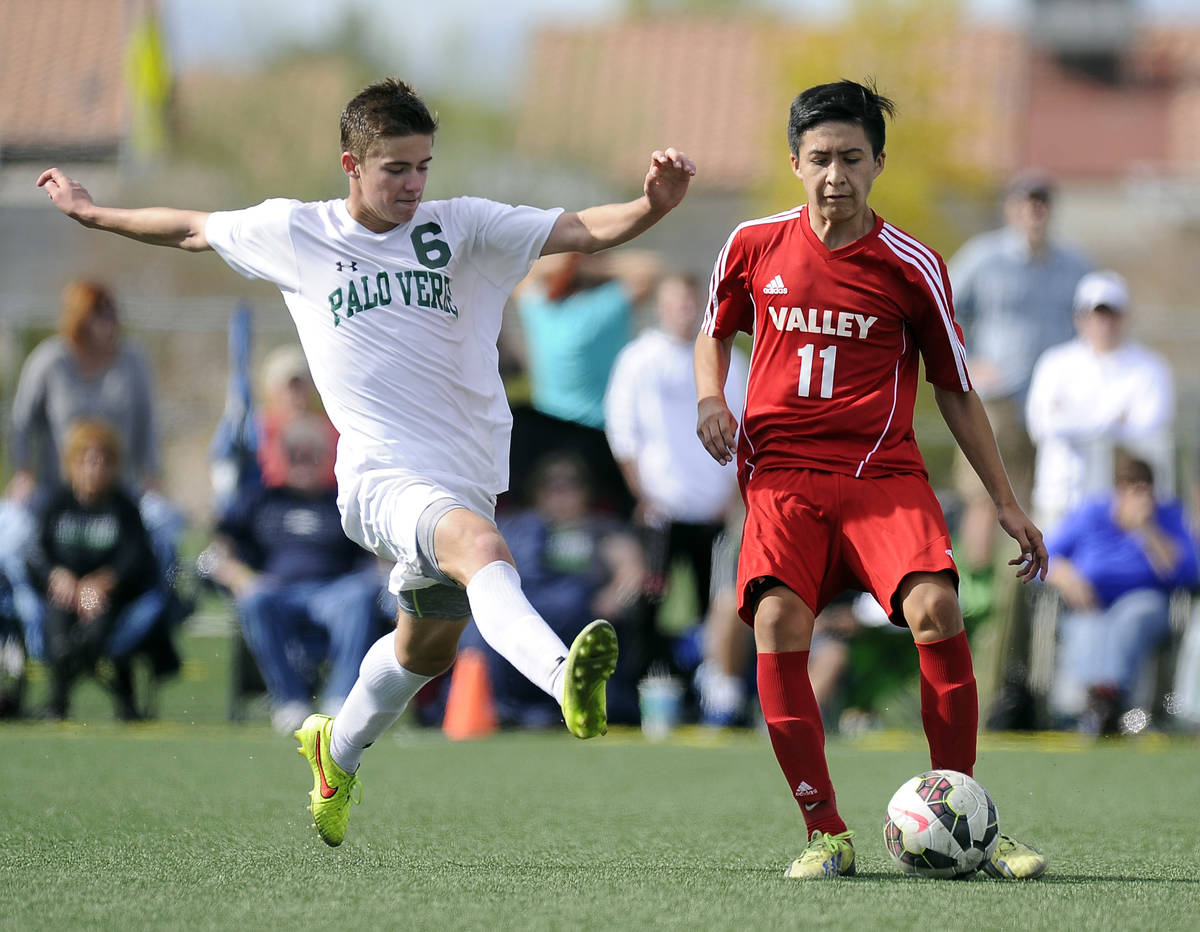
804	789
775	286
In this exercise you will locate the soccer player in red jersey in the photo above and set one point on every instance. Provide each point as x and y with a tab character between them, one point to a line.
841	304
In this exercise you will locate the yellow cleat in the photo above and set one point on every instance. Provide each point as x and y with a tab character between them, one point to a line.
1014	860
825	856
329	801
592	660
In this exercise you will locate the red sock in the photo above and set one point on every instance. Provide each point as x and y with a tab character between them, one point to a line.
949	703
794	723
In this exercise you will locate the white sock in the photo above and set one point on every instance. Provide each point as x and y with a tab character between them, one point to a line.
515	630
381	692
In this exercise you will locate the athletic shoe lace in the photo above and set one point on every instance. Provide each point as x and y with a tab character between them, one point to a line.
819	844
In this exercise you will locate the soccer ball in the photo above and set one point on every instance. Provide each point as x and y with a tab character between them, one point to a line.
941	824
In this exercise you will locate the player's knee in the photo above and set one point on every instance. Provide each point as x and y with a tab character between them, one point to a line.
932	612
472	545
782	622
488	547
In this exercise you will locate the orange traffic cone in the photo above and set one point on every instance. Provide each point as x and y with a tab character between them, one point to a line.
470	710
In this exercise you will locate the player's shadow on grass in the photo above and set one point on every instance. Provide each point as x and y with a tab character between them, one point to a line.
1060	878
1056	878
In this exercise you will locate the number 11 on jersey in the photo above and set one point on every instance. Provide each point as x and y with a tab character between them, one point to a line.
828	361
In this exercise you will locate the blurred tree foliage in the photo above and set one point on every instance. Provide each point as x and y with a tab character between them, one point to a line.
273	131
885	40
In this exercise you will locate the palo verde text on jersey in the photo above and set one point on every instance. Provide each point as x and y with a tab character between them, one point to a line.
417	287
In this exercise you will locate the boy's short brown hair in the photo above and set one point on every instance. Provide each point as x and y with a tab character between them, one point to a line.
388	108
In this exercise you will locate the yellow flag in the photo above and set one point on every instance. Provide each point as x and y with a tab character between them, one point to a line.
148	83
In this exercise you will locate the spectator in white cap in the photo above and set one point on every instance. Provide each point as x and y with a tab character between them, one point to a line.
1092	394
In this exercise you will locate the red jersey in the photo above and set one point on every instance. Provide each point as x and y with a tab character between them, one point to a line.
837	335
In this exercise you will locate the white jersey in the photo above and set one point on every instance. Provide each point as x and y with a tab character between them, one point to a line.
399	328
650	418
1082	405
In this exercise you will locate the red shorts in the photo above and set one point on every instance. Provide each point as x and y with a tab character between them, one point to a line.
821	533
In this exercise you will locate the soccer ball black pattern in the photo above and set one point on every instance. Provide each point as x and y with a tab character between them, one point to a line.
941	823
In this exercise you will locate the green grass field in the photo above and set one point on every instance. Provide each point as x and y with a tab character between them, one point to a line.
191	823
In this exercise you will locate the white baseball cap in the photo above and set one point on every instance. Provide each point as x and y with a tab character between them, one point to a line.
1101	289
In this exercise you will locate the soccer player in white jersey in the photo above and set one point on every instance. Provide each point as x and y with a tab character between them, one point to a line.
842	307
397	302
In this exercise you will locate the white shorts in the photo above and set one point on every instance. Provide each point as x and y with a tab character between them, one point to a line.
381	511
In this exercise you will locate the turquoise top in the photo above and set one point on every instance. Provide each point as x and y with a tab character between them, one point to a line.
572	345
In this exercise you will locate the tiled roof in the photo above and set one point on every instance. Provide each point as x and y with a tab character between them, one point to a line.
609	96
1077	128
1167	54
983	99
604	96
62	86
1171	57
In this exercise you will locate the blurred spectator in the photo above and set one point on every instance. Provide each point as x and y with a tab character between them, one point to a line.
1013	291
1093	393
305	593
1115	560
725	673
683	495
851	675
288	394
576	312
90	560
576	565
829	655
13	677
86	371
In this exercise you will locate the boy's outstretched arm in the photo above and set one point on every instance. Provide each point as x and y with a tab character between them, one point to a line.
967	420
596	228
160	226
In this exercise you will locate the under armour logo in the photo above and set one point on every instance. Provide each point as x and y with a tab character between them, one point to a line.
343	266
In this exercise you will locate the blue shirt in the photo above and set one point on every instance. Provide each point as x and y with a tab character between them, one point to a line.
562	567
572	346
292	537
1013	305
1112	559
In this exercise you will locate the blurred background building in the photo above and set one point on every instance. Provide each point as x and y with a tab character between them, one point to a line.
220	104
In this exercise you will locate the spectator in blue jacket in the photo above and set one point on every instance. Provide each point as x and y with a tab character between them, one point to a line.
305	592
576	565
1115	561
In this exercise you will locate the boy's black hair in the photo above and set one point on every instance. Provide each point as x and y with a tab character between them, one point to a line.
841	102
